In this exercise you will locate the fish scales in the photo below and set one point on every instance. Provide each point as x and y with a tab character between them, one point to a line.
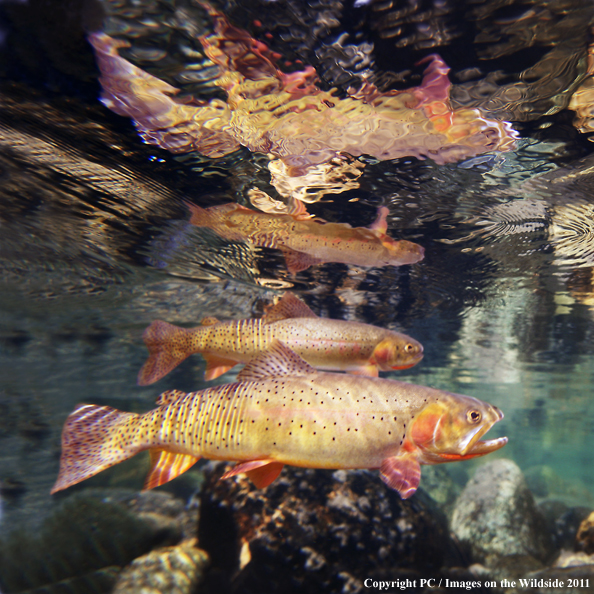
329	421
282	411
307	241
246	338
353	341
325	343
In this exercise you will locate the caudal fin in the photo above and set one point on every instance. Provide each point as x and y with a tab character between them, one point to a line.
93	439
168	346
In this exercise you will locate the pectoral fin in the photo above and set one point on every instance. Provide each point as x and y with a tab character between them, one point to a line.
216	366
401	473
260	472
165	466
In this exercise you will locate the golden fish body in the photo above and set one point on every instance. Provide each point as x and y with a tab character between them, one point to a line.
335	345
282	411
305	242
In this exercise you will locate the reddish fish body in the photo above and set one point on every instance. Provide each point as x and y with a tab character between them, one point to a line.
335	345
282	411
305	242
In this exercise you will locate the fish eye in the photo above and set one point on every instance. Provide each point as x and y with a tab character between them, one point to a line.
409	347
473	416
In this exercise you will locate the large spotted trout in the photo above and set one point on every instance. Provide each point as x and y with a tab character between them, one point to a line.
282	411
335	345
305	241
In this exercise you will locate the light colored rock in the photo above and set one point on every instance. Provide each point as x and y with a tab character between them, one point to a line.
496	516
170	570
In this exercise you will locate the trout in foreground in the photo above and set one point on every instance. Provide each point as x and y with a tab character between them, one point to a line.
336	345
282	411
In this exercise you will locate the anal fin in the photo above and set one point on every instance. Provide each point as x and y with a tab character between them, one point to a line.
260	472
401	473
216	366
165	466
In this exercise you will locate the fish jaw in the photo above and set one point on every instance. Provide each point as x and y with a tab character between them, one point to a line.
403	251
452	429
397	351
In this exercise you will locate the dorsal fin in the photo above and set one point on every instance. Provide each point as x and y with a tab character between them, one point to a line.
380	225
289	306
210	321
278	360
169	396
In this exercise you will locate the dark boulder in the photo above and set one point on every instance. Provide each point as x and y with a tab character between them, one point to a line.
316	531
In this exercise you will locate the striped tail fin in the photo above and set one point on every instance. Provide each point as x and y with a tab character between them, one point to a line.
93	439
168	346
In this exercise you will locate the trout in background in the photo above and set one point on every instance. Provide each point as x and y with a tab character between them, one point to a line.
336	345
304	241
282	411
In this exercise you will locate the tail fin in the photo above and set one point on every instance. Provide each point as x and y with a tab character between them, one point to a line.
93	439
168	346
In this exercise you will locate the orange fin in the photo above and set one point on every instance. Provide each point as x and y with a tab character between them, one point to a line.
298	210
169	396
165	466
200	217
260	472
367	370
288	307
402	473
380	225
92	441
277	361
168	346
216	366
210	321
298	261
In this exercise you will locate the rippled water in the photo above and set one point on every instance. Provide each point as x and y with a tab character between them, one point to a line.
95	244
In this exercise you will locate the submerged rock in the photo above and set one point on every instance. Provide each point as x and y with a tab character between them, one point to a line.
316	531
584	540
82	546
171	570
563	521
497	518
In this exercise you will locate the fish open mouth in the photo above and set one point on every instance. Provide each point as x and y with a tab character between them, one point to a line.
472	445
487	446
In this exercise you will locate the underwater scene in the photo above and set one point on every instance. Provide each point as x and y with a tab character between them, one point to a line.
296	296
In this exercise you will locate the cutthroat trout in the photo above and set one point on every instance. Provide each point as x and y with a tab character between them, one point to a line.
282	411
335	345
305	241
